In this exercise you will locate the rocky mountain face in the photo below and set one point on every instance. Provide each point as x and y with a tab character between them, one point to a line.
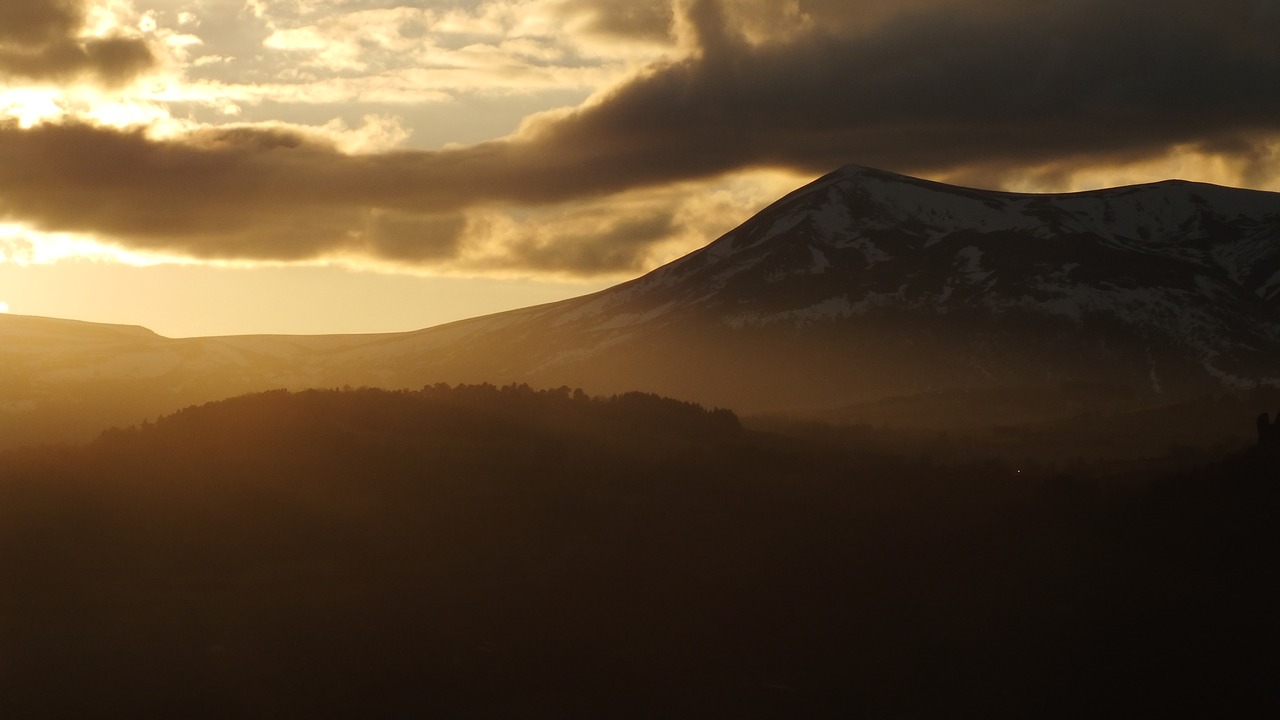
862	286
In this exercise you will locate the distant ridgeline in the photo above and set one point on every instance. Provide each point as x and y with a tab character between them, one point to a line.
464	415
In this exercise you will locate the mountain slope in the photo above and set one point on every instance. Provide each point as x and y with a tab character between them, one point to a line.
860	287
866	284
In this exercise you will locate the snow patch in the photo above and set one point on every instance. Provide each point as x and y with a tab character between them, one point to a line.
820	261
833	219
1234	382
873	254
1270	287
968	263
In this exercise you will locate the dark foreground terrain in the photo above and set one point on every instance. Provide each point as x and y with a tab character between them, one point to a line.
502	553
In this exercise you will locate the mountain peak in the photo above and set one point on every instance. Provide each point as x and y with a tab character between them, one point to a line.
881	215
1188	269
852	170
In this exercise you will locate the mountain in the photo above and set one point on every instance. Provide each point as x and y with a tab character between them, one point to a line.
860	289
865	284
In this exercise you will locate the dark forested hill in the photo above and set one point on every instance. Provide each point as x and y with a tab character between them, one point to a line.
483	552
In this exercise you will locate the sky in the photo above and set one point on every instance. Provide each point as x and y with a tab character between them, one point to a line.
207	167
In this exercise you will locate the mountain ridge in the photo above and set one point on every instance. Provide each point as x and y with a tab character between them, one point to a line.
704	277
859	286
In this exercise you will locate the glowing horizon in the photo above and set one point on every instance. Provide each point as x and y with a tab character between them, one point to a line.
551	147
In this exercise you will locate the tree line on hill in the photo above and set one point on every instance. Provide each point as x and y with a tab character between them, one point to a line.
487	552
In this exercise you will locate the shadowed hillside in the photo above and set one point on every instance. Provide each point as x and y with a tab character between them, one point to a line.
483	552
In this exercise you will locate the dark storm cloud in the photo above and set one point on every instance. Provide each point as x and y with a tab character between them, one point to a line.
234	193
946	86
39	39
271	194
935	91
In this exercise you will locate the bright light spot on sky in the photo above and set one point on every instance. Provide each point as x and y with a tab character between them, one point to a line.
4	307
30	106
21	245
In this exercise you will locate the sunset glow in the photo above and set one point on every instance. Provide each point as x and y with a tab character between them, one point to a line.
564	144
586	359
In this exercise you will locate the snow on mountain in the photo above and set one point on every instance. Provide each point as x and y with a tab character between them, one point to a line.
1183	268
871	219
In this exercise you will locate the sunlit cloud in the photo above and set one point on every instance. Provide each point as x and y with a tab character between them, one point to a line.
22	245
1257	166
612	238
31	106
292	131
307	54
615	237
510	46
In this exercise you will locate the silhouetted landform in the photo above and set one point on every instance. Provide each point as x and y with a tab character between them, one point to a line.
872	296
485	552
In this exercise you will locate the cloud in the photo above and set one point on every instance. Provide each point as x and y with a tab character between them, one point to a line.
45	40
639	20
993	93
934	92
39	21
280	194
591	240
235	192
412	238
309	62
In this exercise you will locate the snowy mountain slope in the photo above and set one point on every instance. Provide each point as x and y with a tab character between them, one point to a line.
861	286
861	239
867	283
